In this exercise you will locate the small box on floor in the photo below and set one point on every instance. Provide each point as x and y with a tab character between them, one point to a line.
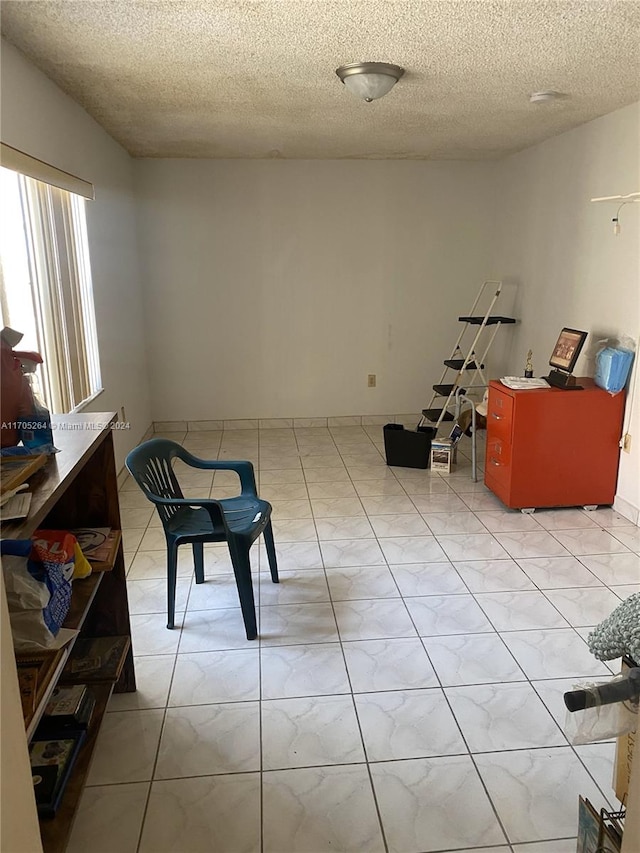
442	454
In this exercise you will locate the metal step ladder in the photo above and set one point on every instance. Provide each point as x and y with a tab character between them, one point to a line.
464	373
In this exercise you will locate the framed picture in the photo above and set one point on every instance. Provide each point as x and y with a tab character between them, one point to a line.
567	349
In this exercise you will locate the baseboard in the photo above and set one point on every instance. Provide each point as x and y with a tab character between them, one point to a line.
626	509
409	419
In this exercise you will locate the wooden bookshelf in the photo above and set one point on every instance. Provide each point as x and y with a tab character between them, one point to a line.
55	831
83	593
78	488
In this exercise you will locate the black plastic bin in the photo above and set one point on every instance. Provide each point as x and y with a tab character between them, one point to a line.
407	448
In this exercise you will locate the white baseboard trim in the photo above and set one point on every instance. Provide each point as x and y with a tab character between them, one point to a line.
626	509
286	423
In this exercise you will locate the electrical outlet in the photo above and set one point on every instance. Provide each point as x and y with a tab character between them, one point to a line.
371	380
626	442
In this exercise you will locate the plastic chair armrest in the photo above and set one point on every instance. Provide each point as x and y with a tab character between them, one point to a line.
213	507
243	468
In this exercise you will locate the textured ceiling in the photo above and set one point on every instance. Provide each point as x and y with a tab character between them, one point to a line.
256	79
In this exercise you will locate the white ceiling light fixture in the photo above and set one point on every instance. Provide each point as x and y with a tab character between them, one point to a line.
546	96
370	80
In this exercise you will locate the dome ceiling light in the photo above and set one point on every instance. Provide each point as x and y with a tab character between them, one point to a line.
546	97
369	80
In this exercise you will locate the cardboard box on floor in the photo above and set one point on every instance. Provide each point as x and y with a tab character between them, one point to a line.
624	753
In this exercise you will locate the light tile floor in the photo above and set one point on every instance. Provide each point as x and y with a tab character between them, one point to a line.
405	694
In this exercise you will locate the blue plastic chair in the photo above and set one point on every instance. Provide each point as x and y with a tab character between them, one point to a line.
238	521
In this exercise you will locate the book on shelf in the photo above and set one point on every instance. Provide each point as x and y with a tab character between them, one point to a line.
28	683
69	705
52	760
66	701
16	507
83	718
96	659
35	671
96	543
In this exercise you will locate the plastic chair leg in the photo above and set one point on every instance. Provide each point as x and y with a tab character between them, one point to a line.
198	561
172	570
271	552
242	571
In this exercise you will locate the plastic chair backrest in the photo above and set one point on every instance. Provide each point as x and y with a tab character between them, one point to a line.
150	466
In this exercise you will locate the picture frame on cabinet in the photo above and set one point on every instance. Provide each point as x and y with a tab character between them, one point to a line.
567	349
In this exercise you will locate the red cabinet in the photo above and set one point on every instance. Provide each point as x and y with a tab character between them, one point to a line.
549	447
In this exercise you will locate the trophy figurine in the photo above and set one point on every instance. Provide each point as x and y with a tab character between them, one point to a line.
528	368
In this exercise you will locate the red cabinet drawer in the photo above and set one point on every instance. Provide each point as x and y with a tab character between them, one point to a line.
498	460
499	416
499	432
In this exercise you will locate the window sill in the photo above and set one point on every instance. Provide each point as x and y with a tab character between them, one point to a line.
82	406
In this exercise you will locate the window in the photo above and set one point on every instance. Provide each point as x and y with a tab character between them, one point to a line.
45	286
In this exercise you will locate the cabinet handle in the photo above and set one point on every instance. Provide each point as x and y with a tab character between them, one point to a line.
495	462
497	417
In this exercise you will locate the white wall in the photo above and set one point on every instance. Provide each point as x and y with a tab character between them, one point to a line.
273	288
561	249
38	118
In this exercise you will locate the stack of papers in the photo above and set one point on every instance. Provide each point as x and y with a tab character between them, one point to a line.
16	507
521	383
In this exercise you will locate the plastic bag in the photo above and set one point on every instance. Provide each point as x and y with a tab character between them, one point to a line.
613	364
601	722
37	577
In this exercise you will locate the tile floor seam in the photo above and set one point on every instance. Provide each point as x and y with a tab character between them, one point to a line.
355	710
490	798
155	762
466	743
207	775
261	749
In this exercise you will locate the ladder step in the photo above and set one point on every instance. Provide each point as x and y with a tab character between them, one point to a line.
491	321
434	414
445	390
456	364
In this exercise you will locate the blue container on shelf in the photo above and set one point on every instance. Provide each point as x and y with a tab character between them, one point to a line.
612	368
